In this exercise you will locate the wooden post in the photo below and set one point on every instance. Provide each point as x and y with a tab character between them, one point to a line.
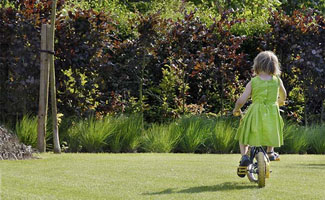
43	93
141	87
56	142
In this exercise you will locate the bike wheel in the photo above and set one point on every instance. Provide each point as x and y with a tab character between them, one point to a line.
267	169
261	166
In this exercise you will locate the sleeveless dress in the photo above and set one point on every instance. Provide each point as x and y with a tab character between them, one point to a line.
262	125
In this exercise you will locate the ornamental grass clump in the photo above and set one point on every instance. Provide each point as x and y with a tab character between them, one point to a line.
221	137
127	134
193	132
316	139
26	130
160	139
94	134
90	135
295	140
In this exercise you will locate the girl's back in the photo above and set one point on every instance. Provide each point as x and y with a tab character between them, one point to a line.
265	91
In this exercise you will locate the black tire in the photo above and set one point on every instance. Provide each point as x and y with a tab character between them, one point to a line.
261	166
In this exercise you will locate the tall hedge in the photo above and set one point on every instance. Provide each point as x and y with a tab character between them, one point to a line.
19	64
187	65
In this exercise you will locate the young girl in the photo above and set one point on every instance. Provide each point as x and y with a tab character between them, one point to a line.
262	124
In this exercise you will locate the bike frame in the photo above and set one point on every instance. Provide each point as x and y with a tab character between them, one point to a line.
254	151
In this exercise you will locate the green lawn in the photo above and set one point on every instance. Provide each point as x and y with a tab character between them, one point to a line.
157	176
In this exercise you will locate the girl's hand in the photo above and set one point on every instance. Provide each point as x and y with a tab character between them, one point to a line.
281	103
237	113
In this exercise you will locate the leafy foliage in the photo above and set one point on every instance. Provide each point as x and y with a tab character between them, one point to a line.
19	63
82	38
182	65
290	6
297	40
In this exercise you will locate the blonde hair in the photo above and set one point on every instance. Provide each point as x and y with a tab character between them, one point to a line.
267	62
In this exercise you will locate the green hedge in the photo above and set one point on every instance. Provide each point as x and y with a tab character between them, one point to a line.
183	65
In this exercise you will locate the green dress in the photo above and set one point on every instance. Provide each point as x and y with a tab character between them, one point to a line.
262	125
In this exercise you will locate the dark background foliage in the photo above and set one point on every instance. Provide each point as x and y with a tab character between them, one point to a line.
19	61
184	65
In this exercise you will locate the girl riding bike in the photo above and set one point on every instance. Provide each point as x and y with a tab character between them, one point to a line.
262	124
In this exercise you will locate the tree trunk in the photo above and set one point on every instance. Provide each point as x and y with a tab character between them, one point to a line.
141	87
43	93
56	142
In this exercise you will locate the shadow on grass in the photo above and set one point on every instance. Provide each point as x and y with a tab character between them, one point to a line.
315	166
212	188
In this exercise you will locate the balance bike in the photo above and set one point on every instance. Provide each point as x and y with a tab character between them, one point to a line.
259	168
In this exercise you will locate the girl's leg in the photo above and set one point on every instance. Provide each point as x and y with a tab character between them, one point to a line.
272	155
243	149
244	161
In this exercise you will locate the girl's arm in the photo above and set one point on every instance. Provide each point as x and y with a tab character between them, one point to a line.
282	94
243	99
